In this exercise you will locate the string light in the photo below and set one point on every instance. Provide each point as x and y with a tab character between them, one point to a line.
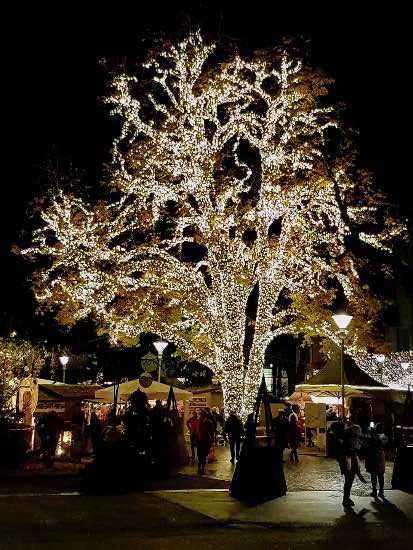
228	156
393	369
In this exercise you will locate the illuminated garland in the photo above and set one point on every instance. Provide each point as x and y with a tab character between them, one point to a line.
276	216
393	369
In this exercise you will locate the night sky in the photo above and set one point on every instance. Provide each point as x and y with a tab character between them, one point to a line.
53	80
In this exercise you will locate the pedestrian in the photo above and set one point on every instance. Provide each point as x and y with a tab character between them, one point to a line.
234	430
348	461
49	429
288	409
280	428
205	436
250	429
375	459
95	428
294	437
78	425
211	455
192	426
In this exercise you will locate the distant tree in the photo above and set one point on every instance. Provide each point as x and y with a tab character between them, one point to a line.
18	360
239	214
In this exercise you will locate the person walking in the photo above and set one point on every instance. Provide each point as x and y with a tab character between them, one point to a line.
375	459
348	460
205	436
192	426
234	430
294	437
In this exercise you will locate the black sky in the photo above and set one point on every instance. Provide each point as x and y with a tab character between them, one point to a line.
53	79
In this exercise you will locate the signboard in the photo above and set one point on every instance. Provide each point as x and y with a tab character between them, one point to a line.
315	417
48	406
197	403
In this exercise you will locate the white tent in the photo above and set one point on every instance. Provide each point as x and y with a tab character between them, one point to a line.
156	390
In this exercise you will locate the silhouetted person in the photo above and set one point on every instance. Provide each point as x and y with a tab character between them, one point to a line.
192	426
95	429
234	430
249	429
375	459
205	436
280	428
294	437
348	460
49	430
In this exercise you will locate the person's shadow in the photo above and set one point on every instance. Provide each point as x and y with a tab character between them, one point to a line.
347	528
388	512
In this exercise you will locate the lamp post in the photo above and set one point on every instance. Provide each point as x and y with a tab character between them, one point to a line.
160	346
342	320
64	359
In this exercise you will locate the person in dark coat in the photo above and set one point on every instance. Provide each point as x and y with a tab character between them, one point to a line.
375	459
95	430
192	426
49	429
294	437
348	460
204	436
249	430
234	430
280	427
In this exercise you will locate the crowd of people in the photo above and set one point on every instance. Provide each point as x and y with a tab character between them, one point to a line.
145	429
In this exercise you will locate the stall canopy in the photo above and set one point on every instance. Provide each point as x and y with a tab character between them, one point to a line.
327	382
156	390
300	396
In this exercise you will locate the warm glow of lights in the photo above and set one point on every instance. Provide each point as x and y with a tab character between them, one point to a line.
396	370
227	156
18	361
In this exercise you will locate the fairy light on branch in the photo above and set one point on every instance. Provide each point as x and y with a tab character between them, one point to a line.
394	369
227	157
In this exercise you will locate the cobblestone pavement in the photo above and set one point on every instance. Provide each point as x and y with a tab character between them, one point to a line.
312	473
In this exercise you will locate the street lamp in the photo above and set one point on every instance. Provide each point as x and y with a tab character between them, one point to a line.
160	346
342	320
64	359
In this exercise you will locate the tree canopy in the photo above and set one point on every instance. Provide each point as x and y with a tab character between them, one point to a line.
233	206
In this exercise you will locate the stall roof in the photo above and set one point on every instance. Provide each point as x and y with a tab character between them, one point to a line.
54	392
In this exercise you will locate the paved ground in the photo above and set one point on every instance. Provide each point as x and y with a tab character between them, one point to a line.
312	473
50	510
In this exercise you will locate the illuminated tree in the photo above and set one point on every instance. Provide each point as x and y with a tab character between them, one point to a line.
18	360
233	214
